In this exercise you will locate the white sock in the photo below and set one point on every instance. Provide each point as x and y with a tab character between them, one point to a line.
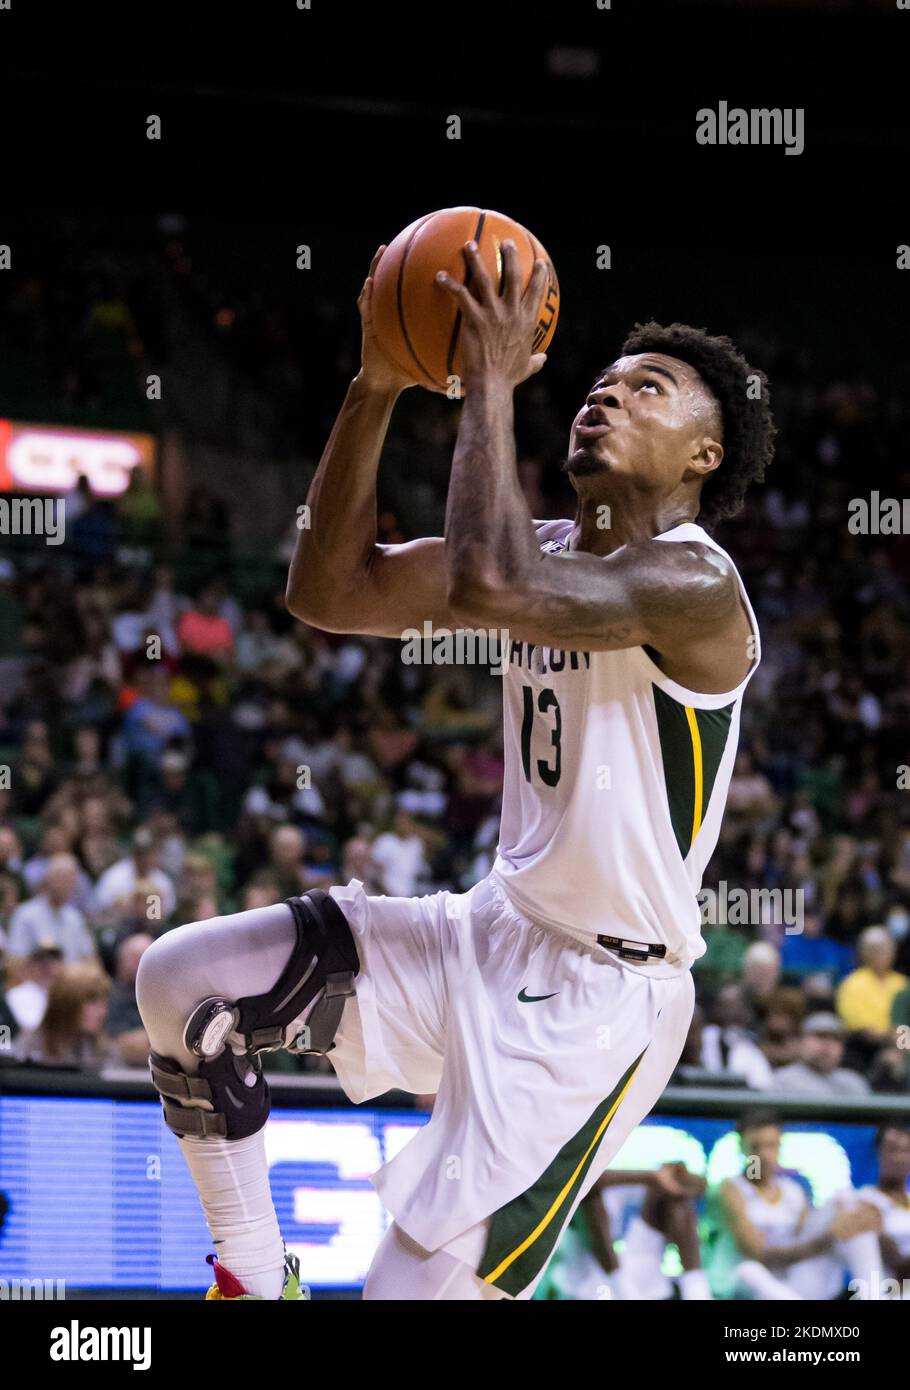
862	1256
232	1179
644	1240
758	1281
693	1284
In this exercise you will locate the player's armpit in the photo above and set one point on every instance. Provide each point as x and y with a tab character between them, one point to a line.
401	587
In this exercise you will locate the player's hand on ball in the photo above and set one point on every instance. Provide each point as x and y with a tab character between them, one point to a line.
376	370
497	330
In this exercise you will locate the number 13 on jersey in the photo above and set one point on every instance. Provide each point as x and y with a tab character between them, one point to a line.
548	706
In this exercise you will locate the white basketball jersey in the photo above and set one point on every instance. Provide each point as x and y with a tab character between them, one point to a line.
780	1221
895	1217
614	787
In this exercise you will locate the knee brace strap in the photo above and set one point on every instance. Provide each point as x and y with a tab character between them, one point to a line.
324	960
232	1088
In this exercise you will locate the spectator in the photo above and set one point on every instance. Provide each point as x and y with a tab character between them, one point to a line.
50	919
189	795
203	630
11	861
55	839
399	856
93	535
257	644
761	973
151	719
124	1025
118	883
865	997
261	891
728	1047
811	951
139	510
198	890
778	1038
751	796
287	846
357	862
818	1070
72	1030
10	894
97	844
27	1000
8	1026
36	776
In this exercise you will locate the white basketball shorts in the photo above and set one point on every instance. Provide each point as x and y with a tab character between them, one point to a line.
544	1054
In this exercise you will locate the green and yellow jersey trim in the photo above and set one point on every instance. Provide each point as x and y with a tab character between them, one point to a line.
692	743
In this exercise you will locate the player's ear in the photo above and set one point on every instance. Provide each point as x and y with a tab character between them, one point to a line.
707	454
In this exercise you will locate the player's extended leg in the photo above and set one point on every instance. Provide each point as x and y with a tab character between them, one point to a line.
214	995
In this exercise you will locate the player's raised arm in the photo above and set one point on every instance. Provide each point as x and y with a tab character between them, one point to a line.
340	579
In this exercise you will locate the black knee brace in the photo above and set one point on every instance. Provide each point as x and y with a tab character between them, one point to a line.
230	1096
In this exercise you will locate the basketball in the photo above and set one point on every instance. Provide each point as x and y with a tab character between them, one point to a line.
417	322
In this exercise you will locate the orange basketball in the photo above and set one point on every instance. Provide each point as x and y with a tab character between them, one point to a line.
417	321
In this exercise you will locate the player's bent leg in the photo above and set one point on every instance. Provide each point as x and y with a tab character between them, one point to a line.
754	1280
640	1272
403	1271
213	996
680	1223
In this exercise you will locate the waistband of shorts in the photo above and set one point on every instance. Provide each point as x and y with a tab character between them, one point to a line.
493	888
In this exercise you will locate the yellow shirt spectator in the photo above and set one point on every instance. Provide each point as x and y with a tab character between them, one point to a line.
864	999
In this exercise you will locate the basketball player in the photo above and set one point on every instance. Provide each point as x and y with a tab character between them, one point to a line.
547	1007
892	1198
650	1210
774	1245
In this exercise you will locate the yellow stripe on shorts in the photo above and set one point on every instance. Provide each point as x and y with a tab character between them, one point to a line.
561	1197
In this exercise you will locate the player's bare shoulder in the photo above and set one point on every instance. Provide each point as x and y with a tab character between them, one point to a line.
692	600
706	580
684	581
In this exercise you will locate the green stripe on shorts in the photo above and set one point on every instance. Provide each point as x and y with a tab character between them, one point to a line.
523	1234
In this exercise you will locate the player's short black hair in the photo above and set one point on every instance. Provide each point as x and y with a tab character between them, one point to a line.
898	1125
742	396
758	1117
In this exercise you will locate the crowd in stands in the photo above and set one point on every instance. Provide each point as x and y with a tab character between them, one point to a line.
178	746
